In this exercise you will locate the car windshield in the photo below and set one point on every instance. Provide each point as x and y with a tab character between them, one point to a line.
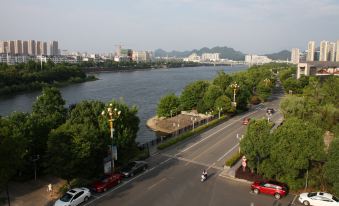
66	198
335	198
130	165
311	194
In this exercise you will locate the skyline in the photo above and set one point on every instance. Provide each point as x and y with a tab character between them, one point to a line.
258	26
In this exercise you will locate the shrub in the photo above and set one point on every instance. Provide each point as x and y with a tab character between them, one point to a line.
233	159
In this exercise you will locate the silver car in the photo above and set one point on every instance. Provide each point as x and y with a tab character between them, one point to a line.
74	197
318	199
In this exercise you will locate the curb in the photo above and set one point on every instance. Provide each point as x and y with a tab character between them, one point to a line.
222	174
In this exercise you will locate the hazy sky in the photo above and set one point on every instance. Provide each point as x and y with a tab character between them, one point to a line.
250	26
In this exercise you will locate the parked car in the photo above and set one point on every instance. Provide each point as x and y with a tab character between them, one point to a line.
318	199
133	168
74	197
277	189
246	120
106	182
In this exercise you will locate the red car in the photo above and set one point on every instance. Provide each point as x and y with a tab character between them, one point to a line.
106	182
277	189
246	120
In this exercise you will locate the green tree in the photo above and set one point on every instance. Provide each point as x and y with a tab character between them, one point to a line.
168	105
256	143
222	80
12	150
192	94
224	102
264	89
296	144
331	166
212	93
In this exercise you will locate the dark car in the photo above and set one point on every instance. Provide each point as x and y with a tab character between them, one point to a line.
246	120
133	168
106	182
277	189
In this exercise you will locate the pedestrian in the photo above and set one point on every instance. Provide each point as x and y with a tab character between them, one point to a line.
50	189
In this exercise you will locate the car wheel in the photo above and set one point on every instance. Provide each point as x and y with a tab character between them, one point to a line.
105	189
132	174
119	181
277	196
306	202
256	191
86	199
144	168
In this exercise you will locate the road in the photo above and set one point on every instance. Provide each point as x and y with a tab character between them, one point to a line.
174	174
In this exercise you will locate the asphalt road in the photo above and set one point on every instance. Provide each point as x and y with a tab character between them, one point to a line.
173	177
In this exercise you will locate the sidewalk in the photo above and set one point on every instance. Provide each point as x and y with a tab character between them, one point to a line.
33	193
229	173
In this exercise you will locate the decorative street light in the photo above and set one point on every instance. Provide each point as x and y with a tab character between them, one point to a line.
235	87
193	119
267	81
113	114
219	109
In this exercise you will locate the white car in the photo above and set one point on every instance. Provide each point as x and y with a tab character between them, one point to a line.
318	199
74	197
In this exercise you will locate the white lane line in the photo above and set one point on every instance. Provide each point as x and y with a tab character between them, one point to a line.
229	151
155	184
184	150
125	183
194	162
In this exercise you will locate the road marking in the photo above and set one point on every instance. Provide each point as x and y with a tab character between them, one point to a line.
155	184
295	197
229	151
194	162
236	121
125	183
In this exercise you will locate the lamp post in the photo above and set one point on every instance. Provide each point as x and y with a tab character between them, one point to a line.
193	119
235	87
219	109
35	158
267	81
113	114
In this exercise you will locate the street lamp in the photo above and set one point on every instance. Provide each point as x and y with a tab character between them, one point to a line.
113	114
267	81
193	119
219	109
35	158
235	87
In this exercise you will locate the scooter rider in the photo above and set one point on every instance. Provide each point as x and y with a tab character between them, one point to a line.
204	172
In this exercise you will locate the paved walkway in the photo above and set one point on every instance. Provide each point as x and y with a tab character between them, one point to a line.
33	193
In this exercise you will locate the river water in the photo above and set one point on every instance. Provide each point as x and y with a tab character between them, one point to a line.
142	88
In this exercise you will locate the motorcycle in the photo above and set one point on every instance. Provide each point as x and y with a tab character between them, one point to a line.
203	177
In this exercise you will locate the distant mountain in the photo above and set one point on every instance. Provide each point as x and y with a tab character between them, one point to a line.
282	55
225	53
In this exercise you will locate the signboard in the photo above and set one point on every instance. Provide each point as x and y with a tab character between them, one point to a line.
107	165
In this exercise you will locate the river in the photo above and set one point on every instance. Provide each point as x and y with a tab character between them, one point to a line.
142	88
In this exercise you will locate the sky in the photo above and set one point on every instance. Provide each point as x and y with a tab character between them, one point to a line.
249	26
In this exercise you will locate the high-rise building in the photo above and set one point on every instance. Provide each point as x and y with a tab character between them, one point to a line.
11	46
54	50
44	48
18	47
31	47
3	46
25	47
38	47
324	50
337	52
331	55
295	56
310	51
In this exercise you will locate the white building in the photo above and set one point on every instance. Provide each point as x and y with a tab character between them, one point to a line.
331	52
337	55
324	50
192	58
212	57
310	51
253	59
295	56
141	56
